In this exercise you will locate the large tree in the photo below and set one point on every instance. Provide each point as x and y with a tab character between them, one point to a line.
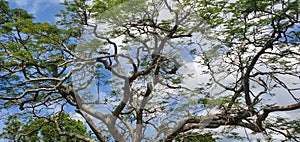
157	70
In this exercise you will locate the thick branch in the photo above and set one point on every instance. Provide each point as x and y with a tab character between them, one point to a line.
92	126
268	110
214	121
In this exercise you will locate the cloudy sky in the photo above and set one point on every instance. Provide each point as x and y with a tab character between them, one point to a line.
43	10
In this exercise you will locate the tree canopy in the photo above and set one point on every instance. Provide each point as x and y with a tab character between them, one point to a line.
37	129
160	70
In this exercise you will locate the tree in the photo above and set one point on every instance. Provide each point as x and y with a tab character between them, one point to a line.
36	129
129	65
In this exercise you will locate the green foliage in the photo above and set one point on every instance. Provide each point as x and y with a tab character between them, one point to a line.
195	137
296	126
36	129
193	51
67	124
8	15
36	47
102	5
38	55
234	135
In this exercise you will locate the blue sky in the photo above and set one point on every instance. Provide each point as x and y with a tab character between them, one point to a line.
43	10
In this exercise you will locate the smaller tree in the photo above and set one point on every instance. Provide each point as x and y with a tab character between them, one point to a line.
60	127
195	137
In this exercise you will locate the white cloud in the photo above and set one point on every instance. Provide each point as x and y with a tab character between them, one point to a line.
21	3
77	116
34	6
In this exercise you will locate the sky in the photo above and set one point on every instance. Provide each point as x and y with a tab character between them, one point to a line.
43	10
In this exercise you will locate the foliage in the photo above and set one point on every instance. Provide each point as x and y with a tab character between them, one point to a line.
36	129
195	137
154	70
